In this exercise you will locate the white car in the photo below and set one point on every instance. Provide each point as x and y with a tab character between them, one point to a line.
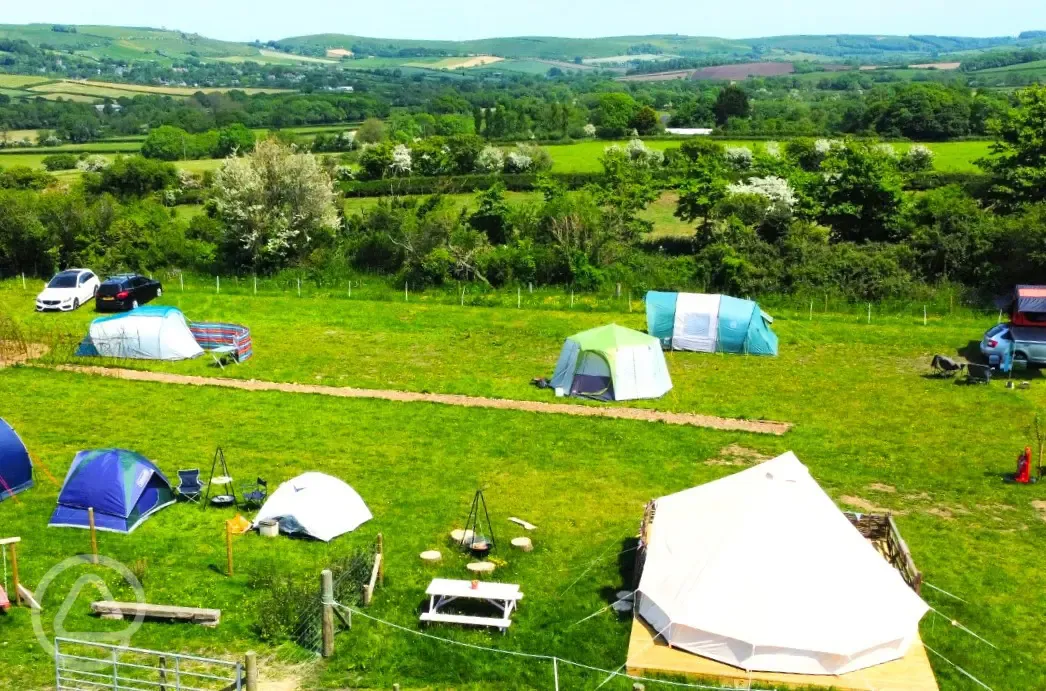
68	290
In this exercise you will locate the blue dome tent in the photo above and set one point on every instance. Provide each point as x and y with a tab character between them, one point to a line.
16	469
709	324
123	487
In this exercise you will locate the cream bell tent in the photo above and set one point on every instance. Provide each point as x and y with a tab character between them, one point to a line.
760	570
316	505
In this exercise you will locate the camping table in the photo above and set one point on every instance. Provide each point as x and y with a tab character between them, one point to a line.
442	591
223	353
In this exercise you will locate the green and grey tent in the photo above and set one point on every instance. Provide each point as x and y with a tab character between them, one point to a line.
612	363
709	324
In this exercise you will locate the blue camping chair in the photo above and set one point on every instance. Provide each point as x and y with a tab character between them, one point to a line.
254	493
189	486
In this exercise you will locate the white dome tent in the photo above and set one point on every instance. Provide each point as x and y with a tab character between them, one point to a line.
316	505
760	570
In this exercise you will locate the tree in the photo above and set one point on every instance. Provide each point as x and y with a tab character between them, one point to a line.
862	193
491	218
371	131
275	204
645	120
613	114
236	138
732	102
167	143
704	186
1019	152
135	176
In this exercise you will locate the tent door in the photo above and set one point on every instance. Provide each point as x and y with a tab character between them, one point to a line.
592	378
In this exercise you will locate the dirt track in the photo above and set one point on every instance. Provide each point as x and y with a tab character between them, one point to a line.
754	426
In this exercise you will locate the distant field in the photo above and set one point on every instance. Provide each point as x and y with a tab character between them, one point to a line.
540	67
583	157
459	63
18	135
17	81
1035	66
117	90
936	66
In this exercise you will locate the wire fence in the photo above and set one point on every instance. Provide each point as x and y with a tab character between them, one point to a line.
941	305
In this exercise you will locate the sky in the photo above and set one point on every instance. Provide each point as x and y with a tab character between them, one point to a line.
245	20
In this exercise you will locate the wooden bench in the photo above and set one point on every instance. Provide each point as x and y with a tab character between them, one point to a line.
464	619
109	609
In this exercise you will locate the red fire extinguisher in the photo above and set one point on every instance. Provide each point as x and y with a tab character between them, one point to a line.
1023	475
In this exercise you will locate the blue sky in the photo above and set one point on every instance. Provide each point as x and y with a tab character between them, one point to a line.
243	20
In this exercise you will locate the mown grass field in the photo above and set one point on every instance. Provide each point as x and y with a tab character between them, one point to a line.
873	429
583	157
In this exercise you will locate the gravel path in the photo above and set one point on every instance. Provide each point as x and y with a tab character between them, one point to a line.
712	422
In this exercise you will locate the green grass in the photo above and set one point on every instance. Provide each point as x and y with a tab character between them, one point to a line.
583	157
863	411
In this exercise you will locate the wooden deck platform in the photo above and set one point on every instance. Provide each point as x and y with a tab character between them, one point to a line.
649	658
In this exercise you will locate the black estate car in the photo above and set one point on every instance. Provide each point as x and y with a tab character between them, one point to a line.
126	292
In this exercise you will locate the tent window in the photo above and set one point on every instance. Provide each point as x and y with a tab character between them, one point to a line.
697	325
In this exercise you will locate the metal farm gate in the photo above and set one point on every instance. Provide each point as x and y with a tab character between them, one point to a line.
84	666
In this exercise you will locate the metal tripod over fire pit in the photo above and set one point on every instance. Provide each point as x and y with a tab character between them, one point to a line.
471	538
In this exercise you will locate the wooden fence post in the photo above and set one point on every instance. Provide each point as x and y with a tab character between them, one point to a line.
23	280
217	285
327	601
251	665
519	297
94	535
163	672
181	281
381	551
255	284
299	287
228	546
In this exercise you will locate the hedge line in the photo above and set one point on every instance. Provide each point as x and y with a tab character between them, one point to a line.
459	184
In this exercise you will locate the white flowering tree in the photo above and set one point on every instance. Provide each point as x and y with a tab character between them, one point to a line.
273	204
401	163
772	149
739	157
93	164
518	162
775	190
917	159
490	160
642	155
589	130
886	149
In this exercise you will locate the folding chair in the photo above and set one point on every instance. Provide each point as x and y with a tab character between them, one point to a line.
254	493
978	374
224	354
189	486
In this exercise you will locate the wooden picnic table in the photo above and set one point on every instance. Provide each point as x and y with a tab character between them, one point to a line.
442	591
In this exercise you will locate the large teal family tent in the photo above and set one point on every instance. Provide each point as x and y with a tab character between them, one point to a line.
709	324
123	487
612	363
16	469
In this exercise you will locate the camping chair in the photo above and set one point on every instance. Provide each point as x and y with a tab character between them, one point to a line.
944	366
224	354
189	485
254	493
978	374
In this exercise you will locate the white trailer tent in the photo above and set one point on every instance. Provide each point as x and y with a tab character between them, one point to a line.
760	570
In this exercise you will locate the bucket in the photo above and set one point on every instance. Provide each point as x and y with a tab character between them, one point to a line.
268	528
